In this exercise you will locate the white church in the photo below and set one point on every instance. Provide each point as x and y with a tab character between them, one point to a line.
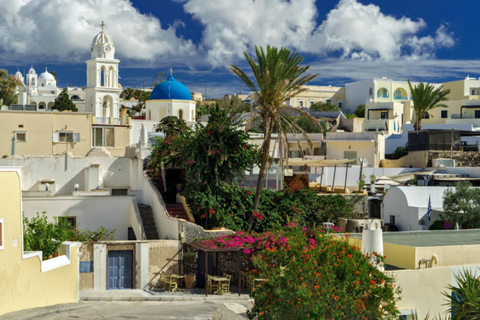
101	96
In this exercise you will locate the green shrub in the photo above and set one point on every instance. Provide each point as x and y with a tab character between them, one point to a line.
313	276
41	235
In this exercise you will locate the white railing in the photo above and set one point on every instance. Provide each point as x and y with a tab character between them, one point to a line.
102	120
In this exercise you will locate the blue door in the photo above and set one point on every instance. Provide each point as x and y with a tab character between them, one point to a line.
120	269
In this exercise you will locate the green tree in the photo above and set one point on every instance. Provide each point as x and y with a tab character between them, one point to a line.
127	94
400	152
172	126
8	84
142	96
63	102
425	98
360	111
41	235
462	205
319	106
308	126
277	77
54	74
217	153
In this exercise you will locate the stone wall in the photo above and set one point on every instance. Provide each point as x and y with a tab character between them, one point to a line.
192	231
86	254
164	255
360	204
462	158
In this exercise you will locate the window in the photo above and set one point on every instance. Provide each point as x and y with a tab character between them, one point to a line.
384	115
477	114
1	234
444	114
180	114
473	92
350	155
71	221
340	104
312	102
370	91
300	103
21	136
328	101
426	116
163	113
103	137
66	136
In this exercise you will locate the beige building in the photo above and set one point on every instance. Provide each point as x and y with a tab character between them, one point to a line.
318	94
27	281
354	145
424	264
47	133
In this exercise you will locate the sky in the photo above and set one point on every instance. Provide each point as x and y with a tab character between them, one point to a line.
342	40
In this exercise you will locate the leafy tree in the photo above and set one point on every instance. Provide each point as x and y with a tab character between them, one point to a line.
8	84
142	96
314	276
464	298
233	105
351	115
127	94
462	205
278	77
360	111
308	126
54	74
63	102
425	98
41	235
400	152
172	126
217	153
319	106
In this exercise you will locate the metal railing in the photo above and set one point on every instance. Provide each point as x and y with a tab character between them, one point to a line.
400	97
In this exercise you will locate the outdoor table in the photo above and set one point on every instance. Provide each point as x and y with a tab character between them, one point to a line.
175	278
219	280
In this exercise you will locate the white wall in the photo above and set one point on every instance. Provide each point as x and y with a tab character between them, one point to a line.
113	172
137	127
356	93
91	212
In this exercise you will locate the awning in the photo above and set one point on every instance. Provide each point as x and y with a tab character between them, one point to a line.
316	163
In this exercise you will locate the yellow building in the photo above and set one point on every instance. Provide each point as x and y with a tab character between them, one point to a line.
318	94
26	280
47	133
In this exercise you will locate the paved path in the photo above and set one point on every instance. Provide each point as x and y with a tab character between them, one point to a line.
134	304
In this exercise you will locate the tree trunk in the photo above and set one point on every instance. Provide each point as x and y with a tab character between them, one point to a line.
263	171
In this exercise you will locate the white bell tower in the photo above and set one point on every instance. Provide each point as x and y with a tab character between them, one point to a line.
102	94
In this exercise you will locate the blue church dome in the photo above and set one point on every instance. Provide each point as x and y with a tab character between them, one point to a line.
170	89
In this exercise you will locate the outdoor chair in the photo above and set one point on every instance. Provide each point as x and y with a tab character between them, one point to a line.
212	288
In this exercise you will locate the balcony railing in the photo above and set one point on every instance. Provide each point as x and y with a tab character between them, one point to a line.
382	96
400	97
110	120
102	120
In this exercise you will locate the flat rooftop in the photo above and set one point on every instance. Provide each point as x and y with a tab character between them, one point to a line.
436	238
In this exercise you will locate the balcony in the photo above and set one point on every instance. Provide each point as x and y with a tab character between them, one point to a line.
400	97
110	121
387	125
382	96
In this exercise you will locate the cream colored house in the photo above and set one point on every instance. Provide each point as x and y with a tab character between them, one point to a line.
27	281
318	94
47	133
354	145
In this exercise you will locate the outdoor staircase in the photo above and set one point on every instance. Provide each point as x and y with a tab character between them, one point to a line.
148	221
175	210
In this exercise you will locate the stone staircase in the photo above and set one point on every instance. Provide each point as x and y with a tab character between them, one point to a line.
175	210
148	221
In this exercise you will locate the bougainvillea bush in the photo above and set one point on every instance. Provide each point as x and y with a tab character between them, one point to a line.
311	275
231	206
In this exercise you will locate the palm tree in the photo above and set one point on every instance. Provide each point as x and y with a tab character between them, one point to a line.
278	77
425	98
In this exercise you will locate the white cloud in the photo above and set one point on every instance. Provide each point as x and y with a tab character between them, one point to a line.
63	30
357	31
232	26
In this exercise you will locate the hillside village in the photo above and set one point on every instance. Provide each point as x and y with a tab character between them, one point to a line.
113	173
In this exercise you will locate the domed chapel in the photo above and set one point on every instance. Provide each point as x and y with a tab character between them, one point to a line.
171	98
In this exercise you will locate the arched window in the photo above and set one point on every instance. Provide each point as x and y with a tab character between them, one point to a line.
180	114
102	77
370	91
163	113
149	114
193	115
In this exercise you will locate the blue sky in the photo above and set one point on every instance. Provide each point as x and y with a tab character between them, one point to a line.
343	40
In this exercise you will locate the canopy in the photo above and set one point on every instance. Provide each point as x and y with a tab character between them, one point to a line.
316	163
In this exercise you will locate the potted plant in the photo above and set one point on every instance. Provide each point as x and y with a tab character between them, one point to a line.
189	267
